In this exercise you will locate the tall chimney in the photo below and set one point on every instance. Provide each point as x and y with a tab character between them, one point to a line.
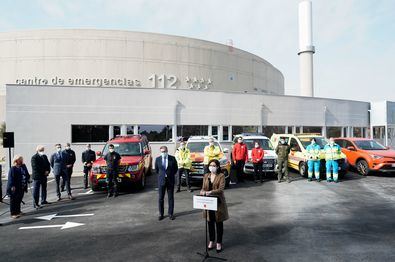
306	48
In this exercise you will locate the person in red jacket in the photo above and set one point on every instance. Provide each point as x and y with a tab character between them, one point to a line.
257	160
239	157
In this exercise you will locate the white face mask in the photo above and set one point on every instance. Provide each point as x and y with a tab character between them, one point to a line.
58	149
240	141
111	150
313	142
213	169
67	147
88	148
256	145
41	153
331	142
183	145
163	154
211	143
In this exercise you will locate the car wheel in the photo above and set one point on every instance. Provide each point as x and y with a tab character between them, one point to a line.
303	169
142	181
363	167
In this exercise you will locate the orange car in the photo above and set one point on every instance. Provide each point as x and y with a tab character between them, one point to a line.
367	155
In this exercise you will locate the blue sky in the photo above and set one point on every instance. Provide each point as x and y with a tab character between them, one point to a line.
354	39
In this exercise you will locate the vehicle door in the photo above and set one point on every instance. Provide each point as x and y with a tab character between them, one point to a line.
296	155
351	151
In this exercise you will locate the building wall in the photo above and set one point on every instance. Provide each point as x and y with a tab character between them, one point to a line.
44	114
51	55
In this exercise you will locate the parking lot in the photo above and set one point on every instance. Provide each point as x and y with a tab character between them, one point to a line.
302	221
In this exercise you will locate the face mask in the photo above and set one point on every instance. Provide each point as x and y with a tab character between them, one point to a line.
163	154
211	143
67	147
282	142
41	153
88	148
58	149
240	141
256	146
313	142
111	150
183	145
213	169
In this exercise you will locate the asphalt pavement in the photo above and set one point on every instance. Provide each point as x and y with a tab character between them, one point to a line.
302	221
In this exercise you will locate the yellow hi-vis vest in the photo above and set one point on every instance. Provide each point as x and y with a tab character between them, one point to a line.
183	157
313	152
332	152
211	152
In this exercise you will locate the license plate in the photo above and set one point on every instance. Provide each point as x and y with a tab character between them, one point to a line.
267	165
119	180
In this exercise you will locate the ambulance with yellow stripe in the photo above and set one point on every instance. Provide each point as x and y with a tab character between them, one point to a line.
297	159
136	163
196	145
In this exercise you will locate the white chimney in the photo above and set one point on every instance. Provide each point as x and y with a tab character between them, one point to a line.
306	48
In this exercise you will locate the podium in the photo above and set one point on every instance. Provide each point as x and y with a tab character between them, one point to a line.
206	203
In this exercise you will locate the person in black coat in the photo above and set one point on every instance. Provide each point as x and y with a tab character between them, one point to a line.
166	167
87	158
18	179
40	171
69	164
113	160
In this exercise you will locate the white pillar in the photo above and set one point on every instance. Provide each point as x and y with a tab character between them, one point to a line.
110	132
260	129
230	133
324	131
135	130
210	130
124	130
174	133
386	135
221	133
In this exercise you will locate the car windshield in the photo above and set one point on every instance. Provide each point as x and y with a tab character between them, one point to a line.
198	146
125	149
369	145
264	143
321	141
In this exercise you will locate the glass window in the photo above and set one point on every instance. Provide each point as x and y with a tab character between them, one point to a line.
214	131
187	131
89	133
156	133
268	131
378	132
225	133
198	146
130	130
312	129
357	132
117	131
264	143
125	149
294	145
369	145
333	132
244	129
321	141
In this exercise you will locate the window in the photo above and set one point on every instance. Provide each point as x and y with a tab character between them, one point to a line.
270	130
89	133
244	129
214	131
117	131
357	132
294	145
312	129
126	149
156	133
369	145
130	130
264	143
225	133
187	131
378	132
333	132
198	146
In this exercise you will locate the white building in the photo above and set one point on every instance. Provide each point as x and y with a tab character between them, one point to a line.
83	86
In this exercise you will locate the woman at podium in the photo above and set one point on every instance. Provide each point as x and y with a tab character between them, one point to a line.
213	186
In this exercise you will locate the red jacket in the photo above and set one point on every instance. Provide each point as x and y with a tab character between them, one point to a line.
257	155
240	152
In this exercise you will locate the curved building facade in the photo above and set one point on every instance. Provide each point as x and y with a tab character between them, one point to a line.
86	86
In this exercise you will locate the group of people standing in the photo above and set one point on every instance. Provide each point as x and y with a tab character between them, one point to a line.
61	163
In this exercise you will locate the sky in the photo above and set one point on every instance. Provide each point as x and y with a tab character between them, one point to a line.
354	39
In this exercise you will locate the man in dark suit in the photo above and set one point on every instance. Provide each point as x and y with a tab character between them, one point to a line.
69	164
40	172
166	167
88	157
59	167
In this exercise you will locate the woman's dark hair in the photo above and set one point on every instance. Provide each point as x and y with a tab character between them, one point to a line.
217	164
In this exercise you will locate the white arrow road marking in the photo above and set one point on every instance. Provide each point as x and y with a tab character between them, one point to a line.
50	217
90	192
64	226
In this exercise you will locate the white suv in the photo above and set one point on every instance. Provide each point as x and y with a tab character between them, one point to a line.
269	158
